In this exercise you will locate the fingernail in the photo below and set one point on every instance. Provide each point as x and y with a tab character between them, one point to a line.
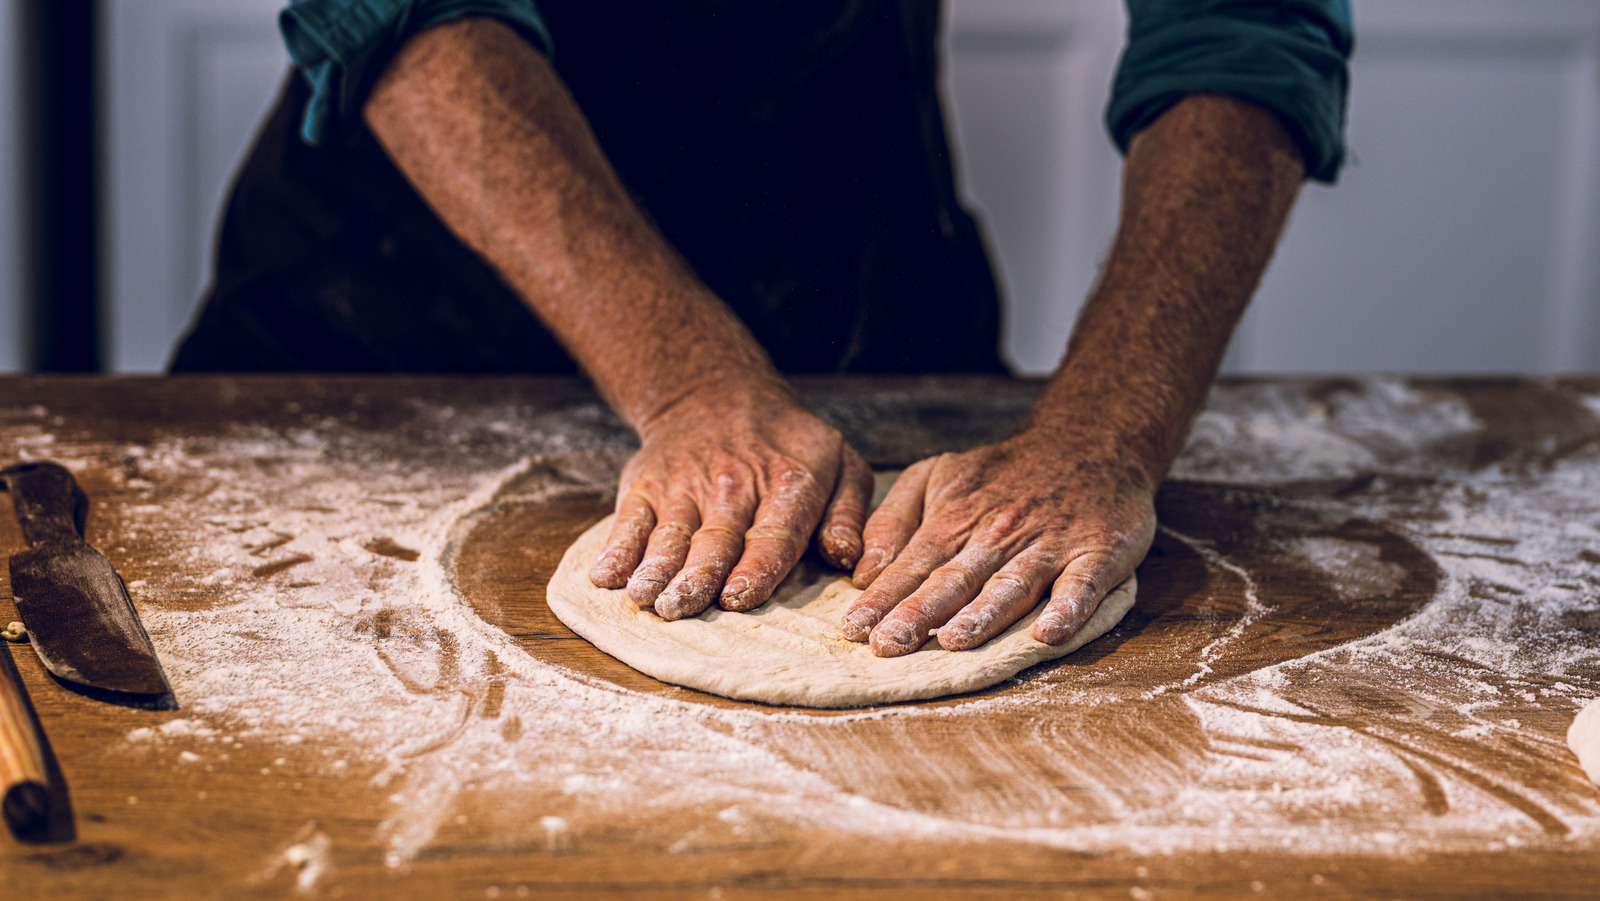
955	637
857	624
678	601
841	546
871	559
1049	626
604	574
644	589
643	580
895	633
736	596
894	637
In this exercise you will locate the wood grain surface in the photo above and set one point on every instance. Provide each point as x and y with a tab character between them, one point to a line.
1312	698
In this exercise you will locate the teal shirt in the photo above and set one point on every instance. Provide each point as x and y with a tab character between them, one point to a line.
1287	55
341	46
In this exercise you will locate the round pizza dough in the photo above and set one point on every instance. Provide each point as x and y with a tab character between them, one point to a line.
790	650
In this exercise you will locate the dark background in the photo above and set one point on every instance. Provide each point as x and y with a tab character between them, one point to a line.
58	149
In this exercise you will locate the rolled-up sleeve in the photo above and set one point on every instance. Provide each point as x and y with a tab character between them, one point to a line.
1290	56
341	46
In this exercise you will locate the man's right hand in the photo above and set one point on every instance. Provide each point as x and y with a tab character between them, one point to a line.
723	496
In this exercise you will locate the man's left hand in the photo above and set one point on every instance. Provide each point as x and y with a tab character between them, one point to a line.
967	544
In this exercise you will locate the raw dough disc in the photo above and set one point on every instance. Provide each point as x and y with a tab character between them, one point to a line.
790	651
1584	739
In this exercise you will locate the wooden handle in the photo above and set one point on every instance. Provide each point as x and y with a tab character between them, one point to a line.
24	787
50	506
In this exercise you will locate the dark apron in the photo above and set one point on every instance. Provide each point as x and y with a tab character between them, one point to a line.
792	150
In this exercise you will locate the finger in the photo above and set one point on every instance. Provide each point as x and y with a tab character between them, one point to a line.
839	539
664	555
1007	597
1075	595
946	590
891	526
625	545
712	552
897	582
774	543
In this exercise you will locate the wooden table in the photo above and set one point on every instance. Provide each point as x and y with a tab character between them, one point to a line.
1363	629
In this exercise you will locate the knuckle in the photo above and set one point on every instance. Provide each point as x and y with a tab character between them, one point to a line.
1076	583
884	593
1006	521
694	582
732	484
941	534
1006	585
910	611
790	477
885	522
784	535
635	530
654	569
836	529
978	557
878	554
952	580
855	467
720	533
848	503
877	541
868	601
672	531
845	517
1108	536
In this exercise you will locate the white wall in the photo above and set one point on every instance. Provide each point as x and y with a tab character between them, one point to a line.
1025	85
186	82
11	337
1460	240
1463	236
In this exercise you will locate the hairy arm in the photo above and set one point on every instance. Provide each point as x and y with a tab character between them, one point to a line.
486	132
734	473
1063	510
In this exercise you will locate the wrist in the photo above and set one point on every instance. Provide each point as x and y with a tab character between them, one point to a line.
1094	437
719	396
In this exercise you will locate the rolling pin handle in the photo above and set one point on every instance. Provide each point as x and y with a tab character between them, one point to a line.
27	809
25	803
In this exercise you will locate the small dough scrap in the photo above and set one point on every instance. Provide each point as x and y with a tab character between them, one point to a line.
790	650
1583	737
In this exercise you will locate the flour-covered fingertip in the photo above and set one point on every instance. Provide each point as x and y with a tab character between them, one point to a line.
894	639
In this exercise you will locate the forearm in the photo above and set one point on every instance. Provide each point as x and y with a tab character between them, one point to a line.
486	132
1206	191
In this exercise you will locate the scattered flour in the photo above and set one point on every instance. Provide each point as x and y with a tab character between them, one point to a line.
309	856
1270	431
